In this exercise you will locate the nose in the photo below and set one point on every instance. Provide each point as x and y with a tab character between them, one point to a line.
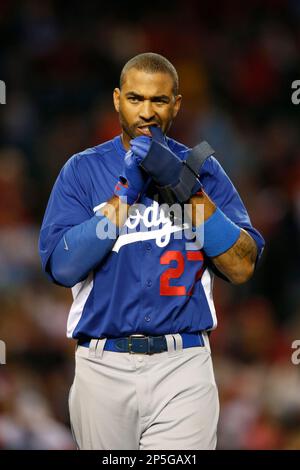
146	111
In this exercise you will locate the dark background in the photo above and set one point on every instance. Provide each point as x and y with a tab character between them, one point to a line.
236	63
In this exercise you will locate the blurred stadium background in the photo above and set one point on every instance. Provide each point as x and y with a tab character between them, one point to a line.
236	61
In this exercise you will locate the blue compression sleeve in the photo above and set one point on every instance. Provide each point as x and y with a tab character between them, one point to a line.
219	233
81	249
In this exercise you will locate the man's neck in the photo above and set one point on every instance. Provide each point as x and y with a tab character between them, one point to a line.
125	141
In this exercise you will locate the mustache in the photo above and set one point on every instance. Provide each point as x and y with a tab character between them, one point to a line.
145	124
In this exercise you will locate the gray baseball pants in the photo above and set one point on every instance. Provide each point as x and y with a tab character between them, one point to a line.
129	401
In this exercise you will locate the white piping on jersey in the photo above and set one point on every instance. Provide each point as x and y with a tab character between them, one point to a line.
96	208
207	283
65	242
80	293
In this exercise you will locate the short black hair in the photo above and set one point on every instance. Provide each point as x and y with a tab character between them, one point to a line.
151	63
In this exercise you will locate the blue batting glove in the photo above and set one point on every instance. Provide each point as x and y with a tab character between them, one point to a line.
175	179
140	147
131	182
164	166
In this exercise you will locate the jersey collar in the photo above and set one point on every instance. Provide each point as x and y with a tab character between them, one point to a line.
117	141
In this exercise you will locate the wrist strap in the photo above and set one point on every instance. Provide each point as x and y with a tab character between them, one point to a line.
220	234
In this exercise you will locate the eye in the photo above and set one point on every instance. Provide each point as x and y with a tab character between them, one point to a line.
160	101
133	99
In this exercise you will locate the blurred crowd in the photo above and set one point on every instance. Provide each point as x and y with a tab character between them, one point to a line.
236	63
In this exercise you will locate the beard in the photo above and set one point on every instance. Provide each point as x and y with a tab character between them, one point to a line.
128	129
131	130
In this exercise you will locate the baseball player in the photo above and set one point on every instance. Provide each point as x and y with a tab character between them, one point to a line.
137	227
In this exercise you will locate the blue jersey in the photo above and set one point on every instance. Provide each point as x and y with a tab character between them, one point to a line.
151	282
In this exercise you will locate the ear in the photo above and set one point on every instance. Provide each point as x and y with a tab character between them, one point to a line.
177	105
116	98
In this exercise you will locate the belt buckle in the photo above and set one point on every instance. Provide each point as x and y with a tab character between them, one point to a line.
130	343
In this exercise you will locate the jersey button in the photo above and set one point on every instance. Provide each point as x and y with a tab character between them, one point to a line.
148	247
147	318
149	283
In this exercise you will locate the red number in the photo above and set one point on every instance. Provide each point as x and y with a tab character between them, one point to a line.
172	273
175	273
195	256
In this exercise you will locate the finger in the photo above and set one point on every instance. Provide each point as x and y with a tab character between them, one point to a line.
139	153
157	133
141	140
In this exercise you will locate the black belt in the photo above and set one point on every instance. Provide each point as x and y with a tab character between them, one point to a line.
140	344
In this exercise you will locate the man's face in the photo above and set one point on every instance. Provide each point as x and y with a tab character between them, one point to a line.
145	99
